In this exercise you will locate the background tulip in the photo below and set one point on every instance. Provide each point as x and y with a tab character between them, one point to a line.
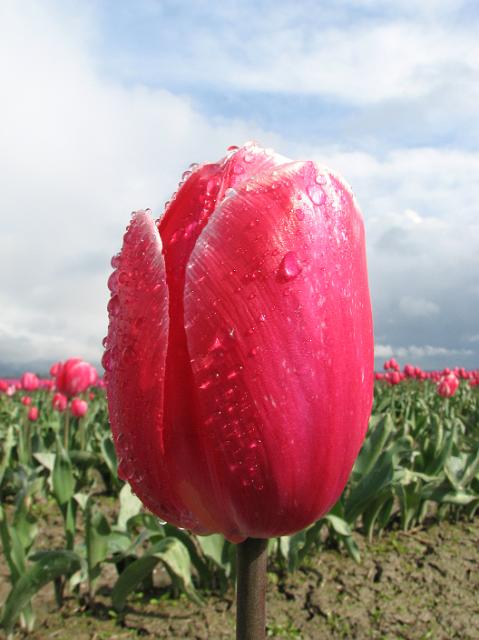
74	376
29	381
78	407
447	385
59	402
26	400
33	414
240	351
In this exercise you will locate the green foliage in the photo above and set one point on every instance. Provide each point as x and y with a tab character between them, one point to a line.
420	460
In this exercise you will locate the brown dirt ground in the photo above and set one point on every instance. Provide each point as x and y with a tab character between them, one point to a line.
418	585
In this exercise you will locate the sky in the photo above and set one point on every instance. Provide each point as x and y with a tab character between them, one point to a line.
105	103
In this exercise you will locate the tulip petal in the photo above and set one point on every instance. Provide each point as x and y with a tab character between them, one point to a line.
278	325
135	370
182	224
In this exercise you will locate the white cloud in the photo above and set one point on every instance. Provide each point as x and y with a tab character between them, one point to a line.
415	352
312	49
417	307
82	154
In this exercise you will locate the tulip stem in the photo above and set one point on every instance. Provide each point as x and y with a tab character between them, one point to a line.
252	556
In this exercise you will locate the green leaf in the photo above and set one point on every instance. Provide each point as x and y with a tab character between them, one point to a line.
339	524
130	506
109	455
48	566
174	556
373	446
7	445
62	478
97	532
212	547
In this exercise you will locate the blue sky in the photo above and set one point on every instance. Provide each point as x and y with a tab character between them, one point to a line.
106	102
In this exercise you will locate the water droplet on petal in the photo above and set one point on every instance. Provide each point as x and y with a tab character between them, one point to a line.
115	261
106	360
124	277
248	157
113	282
289	267
299	213
113	306
316	194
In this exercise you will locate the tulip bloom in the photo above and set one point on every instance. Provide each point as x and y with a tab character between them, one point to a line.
447	385
59	402
33	414
29	381
239	360
74	376
26	400
78	407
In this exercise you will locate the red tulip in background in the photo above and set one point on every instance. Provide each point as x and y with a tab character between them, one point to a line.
78	407
73	376
26	400
59	402
29	381
447	385
33	414
239	355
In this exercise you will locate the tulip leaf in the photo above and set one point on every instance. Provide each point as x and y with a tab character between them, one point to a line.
62	478
130	506
174	556
48	565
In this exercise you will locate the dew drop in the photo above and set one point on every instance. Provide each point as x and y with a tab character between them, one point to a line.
113	306
113	282
106	360
248	157
299	213
115	261
316	194
216	345
289	267
124	277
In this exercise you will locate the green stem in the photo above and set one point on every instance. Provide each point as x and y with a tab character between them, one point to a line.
252	556
66	429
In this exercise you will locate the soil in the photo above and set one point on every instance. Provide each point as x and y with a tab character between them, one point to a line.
417	585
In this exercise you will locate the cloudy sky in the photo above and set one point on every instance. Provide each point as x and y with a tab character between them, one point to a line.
105	103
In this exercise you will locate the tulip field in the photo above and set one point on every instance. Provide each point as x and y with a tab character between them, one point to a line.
72	529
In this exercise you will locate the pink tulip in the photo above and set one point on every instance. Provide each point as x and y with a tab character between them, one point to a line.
33	414
26	400
240	350
29	381
393	377
447	385
59	402
409	371
78	407
74	376
54	369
